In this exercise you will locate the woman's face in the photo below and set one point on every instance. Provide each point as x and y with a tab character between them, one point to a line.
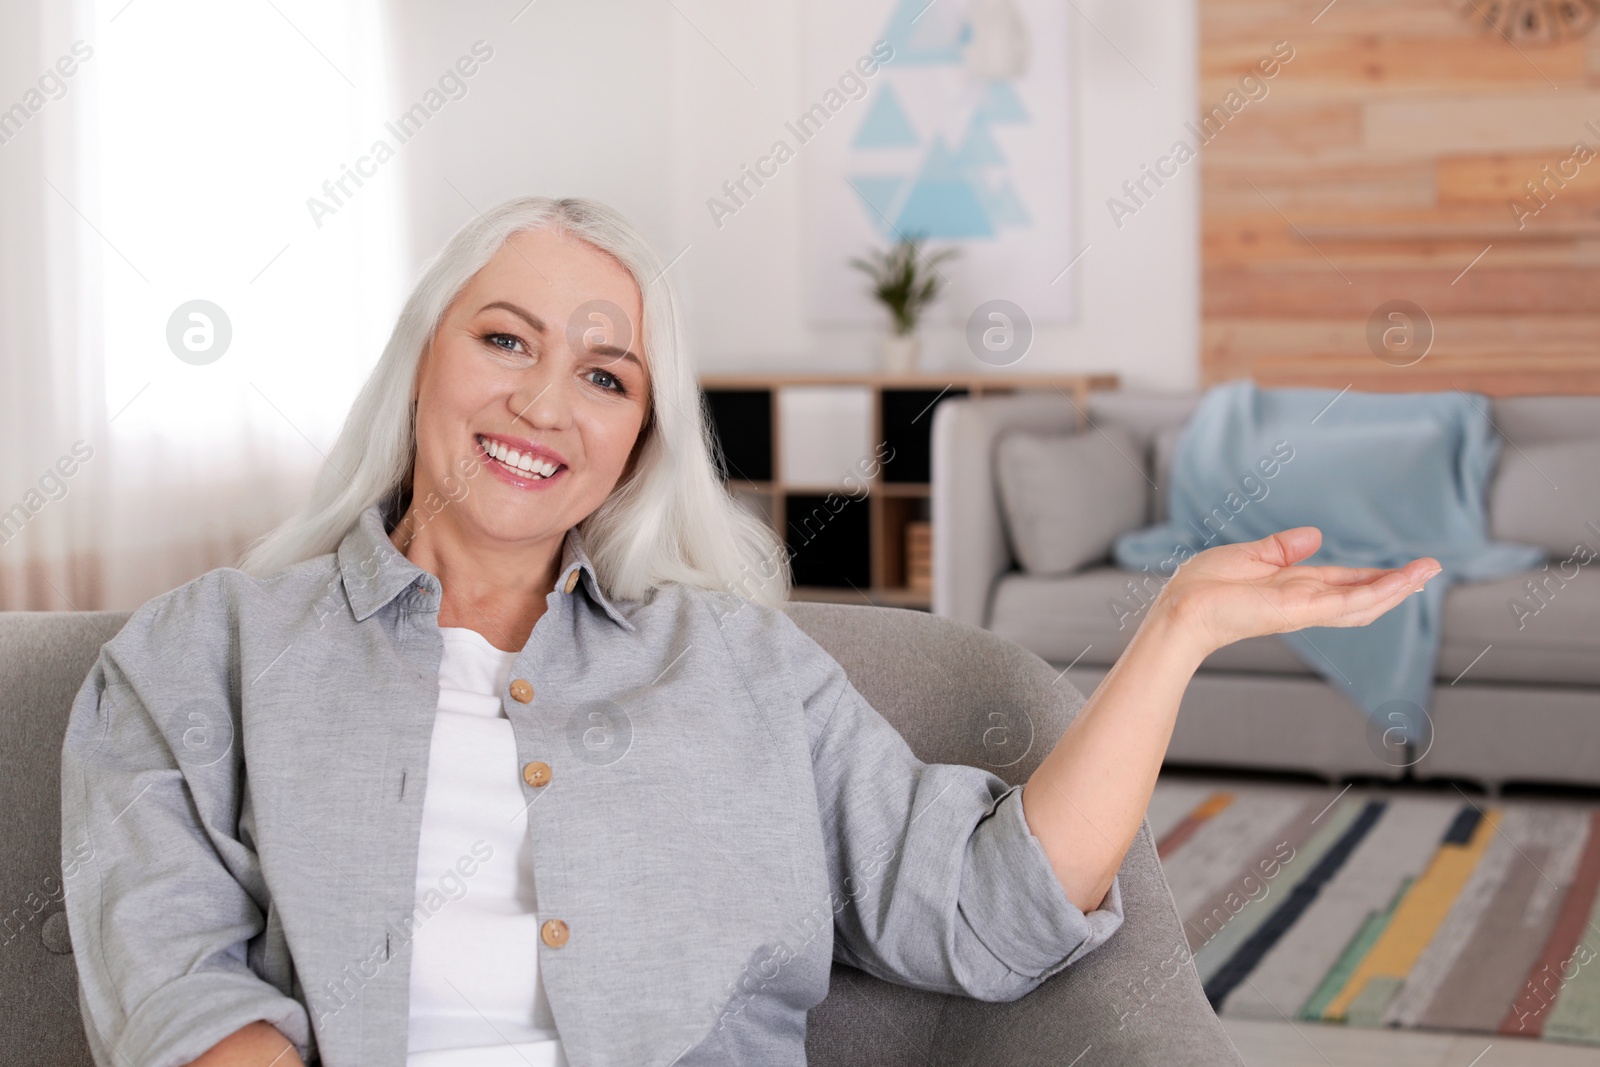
539	357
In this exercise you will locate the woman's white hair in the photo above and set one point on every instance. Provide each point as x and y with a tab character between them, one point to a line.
670	519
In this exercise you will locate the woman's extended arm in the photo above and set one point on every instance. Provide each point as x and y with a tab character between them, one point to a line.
1087	799
257	1045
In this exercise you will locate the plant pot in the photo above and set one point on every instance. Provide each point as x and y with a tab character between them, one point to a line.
900	353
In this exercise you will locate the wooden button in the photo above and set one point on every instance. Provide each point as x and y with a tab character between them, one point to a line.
572	581
521	691
554	933
536	774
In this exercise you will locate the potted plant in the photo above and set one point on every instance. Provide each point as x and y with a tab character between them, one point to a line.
905	281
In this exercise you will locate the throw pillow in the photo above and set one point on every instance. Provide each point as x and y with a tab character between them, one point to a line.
1066	498
1543	495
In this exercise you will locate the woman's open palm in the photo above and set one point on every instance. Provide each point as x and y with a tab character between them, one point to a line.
1244	590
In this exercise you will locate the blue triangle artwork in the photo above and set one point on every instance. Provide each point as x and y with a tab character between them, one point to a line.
947	191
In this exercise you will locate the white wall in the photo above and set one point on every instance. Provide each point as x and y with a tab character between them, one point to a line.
651	106
575	102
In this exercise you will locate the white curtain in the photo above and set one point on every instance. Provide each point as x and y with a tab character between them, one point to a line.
174	165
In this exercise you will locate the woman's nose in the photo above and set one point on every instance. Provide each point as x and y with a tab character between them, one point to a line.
543	397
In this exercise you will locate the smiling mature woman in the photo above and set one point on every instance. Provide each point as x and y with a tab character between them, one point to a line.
501	752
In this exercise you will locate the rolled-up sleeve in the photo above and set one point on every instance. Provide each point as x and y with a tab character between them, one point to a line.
156	877
939	883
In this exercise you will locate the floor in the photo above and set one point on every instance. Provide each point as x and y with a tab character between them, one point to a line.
1300	1044
1320	1045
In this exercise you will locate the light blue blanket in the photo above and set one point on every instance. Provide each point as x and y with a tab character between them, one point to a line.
1387	477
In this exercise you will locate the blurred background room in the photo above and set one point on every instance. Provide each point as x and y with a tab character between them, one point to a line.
994	302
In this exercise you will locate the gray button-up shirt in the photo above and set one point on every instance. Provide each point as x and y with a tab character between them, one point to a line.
724	816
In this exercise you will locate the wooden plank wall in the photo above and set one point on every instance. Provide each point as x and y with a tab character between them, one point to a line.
1382	163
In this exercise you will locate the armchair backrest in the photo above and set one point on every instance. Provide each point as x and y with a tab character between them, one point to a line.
44	658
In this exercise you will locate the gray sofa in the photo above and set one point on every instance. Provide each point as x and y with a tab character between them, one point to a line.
1135	1000
1517	695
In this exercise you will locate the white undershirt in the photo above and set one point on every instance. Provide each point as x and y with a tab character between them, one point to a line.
476	996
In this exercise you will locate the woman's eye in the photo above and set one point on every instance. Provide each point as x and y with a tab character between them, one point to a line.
616	385
495	339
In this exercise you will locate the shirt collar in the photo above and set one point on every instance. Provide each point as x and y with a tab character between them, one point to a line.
375	572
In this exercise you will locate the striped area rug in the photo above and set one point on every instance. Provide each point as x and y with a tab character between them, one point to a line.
1434	911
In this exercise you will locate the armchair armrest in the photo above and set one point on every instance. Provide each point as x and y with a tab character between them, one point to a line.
1135	999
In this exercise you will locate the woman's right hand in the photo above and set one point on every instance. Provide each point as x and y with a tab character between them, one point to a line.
258	1044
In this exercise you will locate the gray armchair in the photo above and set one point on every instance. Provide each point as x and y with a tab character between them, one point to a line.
944	685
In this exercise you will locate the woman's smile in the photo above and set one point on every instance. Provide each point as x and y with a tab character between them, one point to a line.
520	462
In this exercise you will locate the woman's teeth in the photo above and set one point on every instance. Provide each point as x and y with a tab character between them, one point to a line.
523	464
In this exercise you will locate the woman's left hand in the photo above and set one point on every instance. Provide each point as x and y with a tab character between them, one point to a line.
1231	592
1086	800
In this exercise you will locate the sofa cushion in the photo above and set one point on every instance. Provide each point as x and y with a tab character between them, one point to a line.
1539	493
1554	639
1540	626
1066	497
